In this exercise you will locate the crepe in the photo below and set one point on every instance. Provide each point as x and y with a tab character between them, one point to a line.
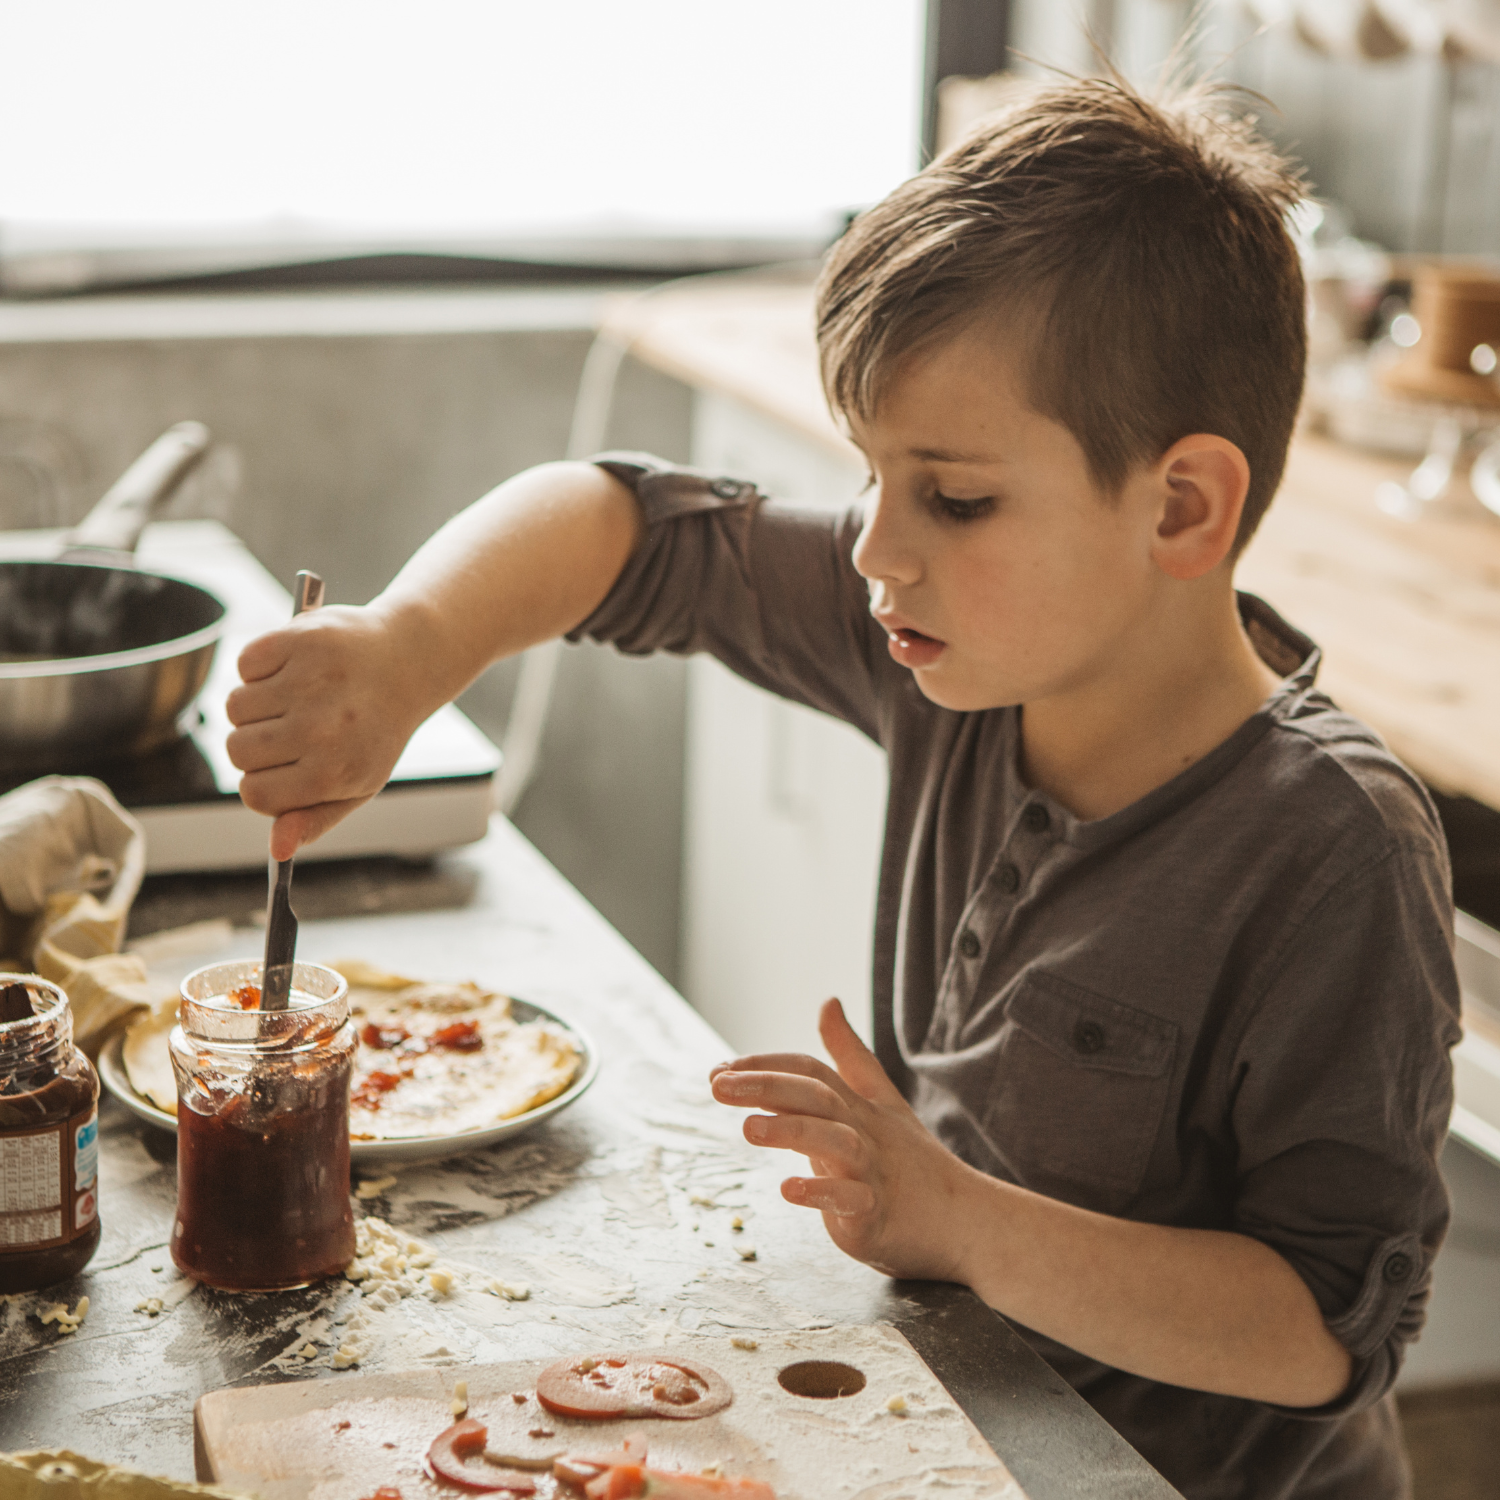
493	1068
434	1059
148	1063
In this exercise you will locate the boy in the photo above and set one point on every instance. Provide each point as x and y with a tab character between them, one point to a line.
1162	962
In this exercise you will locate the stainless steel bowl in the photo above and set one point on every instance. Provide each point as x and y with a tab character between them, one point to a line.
97	662
99	658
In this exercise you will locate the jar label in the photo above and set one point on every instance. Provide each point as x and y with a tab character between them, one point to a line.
49	1189
31	1188
85	1169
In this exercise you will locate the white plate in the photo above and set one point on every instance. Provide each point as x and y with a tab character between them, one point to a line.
113	1076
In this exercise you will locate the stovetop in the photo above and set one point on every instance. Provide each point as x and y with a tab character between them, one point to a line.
187	793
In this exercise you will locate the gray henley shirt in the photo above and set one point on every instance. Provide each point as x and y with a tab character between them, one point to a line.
1227	1006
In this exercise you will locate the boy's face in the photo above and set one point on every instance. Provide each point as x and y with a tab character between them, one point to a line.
1000	572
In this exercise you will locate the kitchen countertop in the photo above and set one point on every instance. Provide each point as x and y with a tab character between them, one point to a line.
594	1211
1407	613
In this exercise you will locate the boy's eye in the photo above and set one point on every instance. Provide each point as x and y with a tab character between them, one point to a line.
963	510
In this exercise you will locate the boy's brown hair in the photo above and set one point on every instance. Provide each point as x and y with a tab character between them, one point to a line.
1139	247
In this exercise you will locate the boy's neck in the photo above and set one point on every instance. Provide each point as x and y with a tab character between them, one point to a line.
1184	681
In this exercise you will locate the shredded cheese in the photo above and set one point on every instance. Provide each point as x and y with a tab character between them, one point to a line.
67	1322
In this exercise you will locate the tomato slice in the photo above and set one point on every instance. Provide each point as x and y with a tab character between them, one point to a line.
623	1482
606	1386
447	1454
632	1482
580	1468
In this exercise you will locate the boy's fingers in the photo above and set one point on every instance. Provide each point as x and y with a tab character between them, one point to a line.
857	1065
255	703
302	784
831	1195
259	747
265	655
830	1142
785	1062
294	830
789	1093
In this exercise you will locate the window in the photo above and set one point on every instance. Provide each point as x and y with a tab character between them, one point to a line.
309	118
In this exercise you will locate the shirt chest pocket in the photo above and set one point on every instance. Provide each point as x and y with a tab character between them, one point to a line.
1079	1089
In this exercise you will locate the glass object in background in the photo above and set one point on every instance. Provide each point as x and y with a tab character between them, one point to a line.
1429	481
262	1129
1484	477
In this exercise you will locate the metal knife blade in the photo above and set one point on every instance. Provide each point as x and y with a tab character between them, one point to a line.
281	938
281	920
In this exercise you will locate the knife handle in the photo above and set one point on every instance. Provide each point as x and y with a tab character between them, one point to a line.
307	593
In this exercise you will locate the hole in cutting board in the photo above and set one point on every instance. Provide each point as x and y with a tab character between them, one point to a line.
821	1379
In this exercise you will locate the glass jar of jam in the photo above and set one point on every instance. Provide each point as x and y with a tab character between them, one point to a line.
262	1129
49	1139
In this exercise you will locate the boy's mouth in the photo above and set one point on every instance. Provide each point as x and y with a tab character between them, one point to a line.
913	649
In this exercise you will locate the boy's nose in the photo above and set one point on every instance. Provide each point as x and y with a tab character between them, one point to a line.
881	554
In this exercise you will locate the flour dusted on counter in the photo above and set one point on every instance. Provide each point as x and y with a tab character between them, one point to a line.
389	1266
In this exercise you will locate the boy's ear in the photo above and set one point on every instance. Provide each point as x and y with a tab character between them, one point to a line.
1202	482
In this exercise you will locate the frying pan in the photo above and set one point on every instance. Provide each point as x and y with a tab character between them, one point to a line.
98	657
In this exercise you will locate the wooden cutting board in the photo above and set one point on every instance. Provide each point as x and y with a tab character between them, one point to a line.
342	1437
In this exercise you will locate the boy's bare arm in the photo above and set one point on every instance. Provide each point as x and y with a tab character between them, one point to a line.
329	701
1205	1309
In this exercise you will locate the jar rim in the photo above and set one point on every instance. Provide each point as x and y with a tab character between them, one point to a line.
14	1031
298	1027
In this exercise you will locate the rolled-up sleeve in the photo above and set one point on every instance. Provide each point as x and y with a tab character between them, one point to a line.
767	588
1343	1094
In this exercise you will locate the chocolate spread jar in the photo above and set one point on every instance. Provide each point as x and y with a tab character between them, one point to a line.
49	1139
262	1129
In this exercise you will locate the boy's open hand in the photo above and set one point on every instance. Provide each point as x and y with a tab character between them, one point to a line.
889	1192
322	715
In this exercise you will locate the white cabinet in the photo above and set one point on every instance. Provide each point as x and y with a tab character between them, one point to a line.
785	806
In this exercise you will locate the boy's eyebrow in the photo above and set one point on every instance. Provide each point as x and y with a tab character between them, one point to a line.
952	456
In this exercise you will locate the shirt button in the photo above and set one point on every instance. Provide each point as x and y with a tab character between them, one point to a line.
726	489
1036	817
1088	1038
1010	879
968	943
1397	1268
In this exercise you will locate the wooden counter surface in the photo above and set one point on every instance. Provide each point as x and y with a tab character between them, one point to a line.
1407	613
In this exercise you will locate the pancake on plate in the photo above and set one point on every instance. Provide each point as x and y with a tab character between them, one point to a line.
433	1059
444	1059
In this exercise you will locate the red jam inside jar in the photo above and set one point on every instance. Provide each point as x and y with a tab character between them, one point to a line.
262	1130
49	1139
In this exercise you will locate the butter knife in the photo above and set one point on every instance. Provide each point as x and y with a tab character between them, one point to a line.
281	920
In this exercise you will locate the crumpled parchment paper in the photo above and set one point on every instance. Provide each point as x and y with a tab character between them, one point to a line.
71	862
57	1474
